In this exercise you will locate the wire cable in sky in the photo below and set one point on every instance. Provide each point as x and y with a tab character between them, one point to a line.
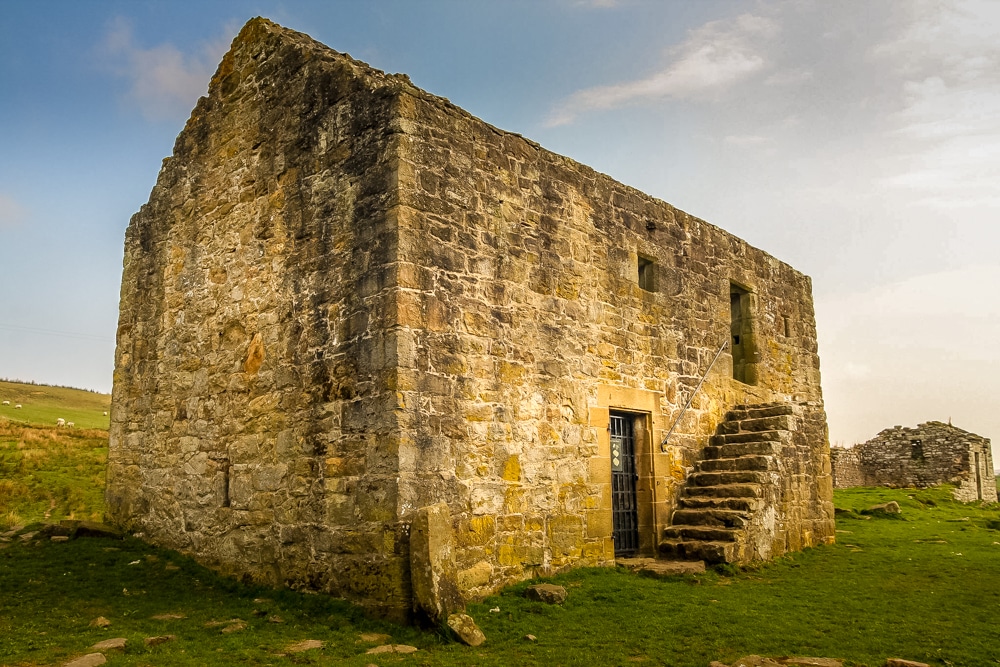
50	332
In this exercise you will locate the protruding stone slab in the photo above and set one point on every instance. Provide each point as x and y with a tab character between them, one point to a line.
672	568
392	648
432	564
304	645
891	507
899	662
466	630
547	593
115	644
89	660
159	639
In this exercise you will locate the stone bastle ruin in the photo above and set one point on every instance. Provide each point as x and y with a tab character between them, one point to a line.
373	346
932	453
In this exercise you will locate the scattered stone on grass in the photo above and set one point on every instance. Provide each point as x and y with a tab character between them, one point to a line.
373	637
531	638
891	507
160	639
899	662
275	619
27	537
391	648
547	593
115	644
783	661
172	617
672	568
170	567
304	645
234	627
89	660
100	622
216	624
59	538
466	629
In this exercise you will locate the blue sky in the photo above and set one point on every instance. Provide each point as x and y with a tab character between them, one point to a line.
859	141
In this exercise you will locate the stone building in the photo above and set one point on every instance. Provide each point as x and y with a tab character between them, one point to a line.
348	300
930	454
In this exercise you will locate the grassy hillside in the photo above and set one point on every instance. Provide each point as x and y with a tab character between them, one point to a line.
921	586
50	473
41	404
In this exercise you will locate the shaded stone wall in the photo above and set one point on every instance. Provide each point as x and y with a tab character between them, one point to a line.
932	453
348	300
528	325
253	419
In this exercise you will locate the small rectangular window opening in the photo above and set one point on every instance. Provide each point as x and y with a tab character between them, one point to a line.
647	274
916	450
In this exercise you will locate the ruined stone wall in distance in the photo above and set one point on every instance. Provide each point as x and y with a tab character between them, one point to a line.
522	323
932	453
253	411
846	465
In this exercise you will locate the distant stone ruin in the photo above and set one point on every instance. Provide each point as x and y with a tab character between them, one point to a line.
932	453
373	346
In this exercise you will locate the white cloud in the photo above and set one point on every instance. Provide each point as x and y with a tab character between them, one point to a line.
712	58
745	139
947	61
12	213
917	349
164	82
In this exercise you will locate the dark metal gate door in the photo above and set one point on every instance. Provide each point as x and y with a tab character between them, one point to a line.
623	479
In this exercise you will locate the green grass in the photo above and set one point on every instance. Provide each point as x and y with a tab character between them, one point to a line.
41	404
923	587
50	473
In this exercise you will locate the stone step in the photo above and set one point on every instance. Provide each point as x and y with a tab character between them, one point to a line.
739	463
725	491
778	423
710	552
720	439
766	448
728	477
656	567
724	518
708	502
740	413
700	533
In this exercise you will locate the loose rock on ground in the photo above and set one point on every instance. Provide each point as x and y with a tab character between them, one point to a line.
548	593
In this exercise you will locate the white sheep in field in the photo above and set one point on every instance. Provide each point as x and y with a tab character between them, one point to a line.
60	422
8	403
70	424
105	414
17	407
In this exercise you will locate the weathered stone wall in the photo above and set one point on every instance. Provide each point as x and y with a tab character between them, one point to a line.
527	324
846	465
348	300
932	453
254	419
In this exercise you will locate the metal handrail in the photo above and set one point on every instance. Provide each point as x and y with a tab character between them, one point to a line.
687	405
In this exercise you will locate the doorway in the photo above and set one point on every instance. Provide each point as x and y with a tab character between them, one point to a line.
623	485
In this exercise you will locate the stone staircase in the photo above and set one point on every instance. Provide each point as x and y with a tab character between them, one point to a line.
727	509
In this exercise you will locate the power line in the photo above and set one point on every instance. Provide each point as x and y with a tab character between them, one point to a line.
51	332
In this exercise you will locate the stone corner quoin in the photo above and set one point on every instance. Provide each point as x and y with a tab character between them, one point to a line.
348	299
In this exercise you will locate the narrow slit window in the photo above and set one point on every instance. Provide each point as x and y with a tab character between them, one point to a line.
647	274
741	342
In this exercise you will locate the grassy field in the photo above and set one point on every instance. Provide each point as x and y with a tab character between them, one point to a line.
50	474
41	404
924	586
